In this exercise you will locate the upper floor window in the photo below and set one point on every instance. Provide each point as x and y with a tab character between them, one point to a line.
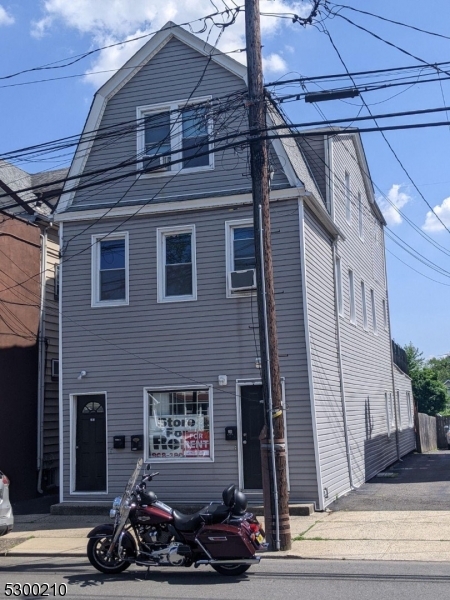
374	312
351	294
339	300
56	282
360	217
364	304
177	276
175	133
385	317
110	269
240	256
348	200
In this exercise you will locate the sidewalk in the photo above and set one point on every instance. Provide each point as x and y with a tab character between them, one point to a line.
361	535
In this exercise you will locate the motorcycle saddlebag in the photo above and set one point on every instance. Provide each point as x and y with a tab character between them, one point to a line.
227	541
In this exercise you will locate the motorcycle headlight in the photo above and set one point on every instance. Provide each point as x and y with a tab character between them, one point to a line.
112	513
116	503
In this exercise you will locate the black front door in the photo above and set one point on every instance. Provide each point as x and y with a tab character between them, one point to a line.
252	409
91	444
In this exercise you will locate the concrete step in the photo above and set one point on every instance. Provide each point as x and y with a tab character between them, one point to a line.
103	508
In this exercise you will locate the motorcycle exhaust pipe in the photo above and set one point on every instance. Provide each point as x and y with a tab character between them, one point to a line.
241	561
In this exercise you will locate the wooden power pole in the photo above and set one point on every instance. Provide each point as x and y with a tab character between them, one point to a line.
273	444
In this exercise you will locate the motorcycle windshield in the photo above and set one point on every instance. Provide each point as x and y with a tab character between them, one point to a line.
125	504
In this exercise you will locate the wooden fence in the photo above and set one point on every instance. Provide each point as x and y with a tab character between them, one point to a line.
426	436
441	424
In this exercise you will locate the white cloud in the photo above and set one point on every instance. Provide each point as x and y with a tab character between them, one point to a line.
274	63
432	224
110	21
396	199
5	18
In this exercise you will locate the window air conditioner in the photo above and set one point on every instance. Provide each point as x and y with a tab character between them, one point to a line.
242	280
159	163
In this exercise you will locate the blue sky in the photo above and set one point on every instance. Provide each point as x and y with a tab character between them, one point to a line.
35	33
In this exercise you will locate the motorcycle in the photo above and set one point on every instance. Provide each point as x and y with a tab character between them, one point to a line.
147	532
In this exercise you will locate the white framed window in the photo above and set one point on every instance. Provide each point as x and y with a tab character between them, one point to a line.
391	411
399	409
388	413
240	257
374	312
178	131
360	217
178	425
348	199
351	296
56	282
385	319
177	270
110	269
364	304
55	369
409	407
339	299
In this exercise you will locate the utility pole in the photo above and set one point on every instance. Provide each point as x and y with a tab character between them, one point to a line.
273	449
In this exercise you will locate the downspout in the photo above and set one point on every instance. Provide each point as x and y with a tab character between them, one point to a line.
41	364
341	370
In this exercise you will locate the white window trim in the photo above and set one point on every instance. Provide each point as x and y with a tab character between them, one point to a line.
95	269
388	413
399	410
229	256
392	410
185	461
385	319
340	298
364	306
410	409
161	234
176	136
374	312
351	296
360	217
348	199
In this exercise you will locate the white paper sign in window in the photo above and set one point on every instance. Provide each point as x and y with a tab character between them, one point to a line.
179	425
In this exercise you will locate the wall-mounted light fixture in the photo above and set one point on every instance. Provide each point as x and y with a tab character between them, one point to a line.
82	374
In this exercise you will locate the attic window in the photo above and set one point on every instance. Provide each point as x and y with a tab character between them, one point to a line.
174	137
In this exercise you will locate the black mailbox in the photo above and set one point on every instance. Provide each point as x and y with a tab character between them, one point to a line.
119	441
231	433
136	442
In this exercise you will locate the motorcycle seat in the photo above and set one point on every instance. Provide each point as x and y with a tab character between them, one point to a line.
209	514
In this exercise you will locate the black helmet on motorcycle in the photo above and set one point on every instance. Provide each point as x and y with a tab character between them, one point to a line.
228	495
240	503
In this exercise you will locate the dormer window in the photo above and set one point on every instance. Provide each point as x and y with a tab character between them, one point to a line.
174	137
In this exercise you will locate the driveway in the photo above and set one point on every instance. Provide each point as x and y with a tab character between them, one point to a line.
419	482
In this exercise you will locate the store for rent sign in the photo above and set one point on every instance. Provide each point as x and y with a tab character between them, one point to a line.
179	437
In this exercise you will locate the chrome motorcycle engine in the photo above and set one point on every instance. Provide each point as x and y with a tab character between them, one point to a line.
169	555
156	536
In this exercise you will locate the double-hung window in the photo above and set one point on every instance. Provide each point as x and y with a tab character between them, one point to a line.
175	137
240	257
177	275
110	269
179	424
348	199
351	297
364	304
360	217
339	298
374	312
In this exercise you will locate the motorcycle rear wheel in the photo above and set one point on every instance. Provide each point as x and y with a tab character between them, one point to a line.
96	552
231	570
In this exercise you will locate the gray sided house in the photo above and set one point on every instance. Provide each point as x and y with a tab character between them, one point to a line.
158	310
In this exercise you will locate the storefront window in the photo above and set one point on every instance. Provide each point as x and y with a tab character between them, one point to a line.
179	424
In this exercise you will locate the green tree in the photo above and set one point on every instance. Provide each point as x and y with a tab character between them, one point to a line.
414	357
429	393
441	366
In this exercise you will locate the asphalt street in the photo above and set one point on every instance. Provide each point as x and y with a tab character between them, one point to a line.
275	579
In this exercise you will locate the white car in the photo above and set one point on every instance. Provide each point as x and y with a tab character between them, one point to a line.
6	513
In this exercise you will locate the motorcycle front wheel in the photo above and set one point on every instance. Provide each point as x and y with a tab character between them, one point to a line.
97	554
231	570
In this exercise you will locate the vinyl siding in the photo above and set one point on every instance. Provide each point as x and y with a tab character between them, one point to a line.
324	358
51	324
176	72
407	436
366	357
313	148
146	344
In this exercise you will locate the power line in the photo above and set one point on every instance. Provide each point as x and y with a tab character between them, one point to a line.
413	269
